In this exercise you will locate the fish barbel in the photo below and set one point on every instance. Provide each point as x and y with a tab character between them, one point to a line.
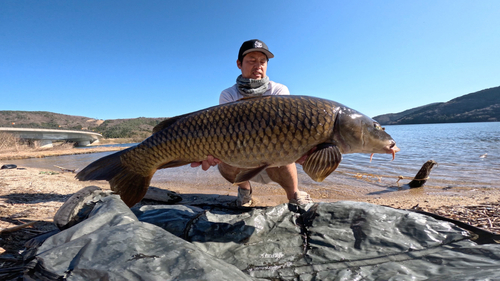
253	134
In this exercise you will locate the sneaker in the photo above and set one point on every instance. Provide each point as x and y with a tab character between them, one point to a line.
301	198
244	198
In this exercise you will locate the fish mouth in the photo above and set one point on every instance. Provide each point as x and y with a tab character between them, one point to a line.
392	149
389	149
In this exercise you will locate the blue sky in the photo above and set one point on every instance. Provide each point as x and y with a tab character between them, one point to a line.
127	59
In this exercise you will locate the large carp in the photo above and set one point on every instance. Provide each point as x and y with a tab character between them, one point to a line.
252	134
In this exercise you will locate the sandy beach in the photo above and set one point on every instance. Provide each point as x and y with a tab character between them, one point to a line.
30	194
30	197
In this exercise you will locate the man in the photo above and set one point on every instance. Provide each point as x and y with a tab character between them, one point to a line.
253	82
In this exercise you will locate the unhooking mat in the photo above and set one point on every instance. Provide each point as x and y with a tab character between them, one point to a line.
323	241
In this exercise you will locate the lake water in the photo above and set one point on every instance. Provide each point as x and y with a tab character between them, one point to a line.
455	147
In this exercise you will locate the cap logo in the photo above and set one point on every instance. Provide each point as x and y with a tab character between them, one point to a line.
258	44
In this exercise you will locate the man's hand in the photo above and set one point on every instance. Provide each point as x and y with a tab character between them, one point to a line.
206	164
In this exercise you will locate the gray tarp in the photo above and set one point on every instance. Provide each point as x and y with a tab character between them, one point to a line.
324	241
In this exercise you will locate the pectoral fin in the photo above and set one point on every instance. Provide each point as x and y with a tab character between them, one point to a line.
246	175
322	162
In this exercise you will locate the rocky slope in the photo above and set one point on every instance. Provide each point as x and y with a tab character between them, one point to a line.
481	106
115	128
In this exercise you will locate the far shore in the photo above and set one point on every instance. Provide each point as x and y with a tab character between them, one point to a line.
59	150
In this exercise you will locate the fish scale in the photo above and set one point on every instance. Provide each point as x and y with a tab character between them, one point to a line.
238	135
250	134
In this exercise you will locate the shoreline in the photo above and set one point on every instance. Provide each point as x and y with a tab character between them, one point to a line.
427	196
53	186
30	197
33	196
42	153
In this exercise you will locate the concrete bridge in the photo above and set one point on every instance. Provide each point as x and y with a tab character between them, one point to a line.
46	136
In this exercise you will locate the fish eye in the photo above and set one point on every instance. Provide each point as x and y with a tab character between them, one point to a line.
378	127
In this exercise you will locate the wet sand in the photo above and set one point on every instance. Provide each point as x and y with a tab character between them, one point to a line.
30	194
338	186
351	190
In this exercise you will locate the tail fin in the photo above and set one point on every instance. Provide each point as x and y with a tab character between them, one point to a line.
130	185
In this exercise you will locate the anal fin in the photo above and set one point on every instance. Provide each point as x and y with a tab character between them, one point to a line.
173	164
246	175
322	162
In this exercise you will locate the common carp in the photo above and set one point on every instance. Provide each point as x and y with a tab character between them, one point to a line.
253	134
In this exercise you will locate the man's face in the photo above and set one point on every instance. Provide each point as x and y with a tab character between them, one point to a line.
253	66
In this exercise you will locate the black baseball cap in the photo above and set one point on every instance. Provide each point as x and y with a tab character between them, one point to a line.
254	45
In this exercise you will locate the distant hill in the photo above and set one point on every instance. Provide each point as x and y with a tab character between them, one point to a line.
116	128
482	106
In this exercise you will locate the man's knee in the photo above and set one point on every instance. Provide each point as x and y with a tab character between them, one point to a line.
276	173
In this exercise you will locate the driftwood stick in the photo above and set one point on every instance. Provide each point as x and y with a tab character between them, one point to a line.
17	227
422	175
64	169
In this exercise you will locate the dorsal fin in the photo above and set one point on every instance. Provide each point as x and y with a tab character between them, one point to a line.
256	97
167	122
